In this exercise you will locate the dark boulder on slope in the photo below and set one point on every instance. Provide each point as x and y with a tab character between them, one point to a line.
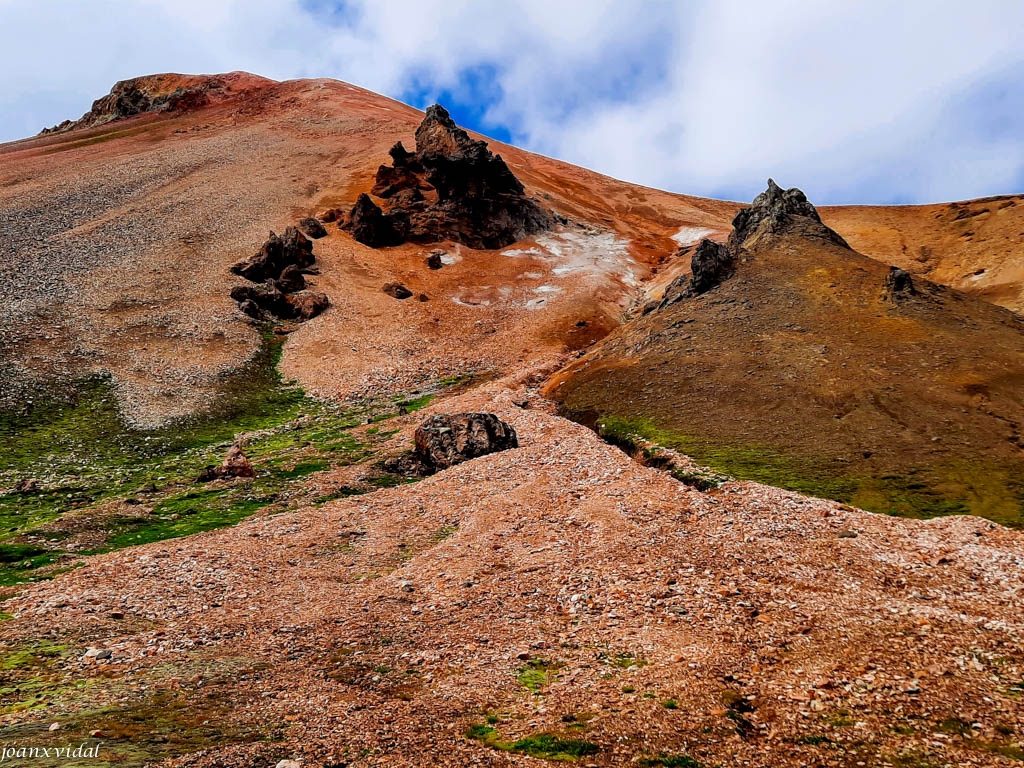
444	440
899	284
313	228
369	226
235	464
279	251
710	264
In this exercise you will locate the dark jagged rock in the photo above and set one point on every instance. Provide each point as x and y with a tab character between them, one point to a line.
280	251
137	96
452	187
397	291
899	284
305	305
312	228
235	464
266	296
278	271
433	260
444	440
776	210
368	224
290	280
710	264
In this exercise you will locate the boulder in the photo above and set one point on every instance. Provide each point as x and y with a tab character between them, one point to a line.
433	260
331	215
312	228
235	464
266	296
397	291
278	252
291	280
899	284
305	305
710	264
444	440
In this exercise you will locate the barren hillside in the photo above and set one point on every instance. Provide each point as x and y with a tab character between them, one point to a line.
323	595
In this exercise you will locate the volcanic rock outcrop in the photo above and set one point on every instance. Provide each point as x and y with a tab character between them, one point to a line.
777	210
445	440
773	212
451	188
898	284
143	94
710	264
278	271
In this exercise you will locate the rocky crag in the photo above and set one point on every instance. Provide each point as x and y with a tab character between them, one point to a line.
451	188
159	93
278	276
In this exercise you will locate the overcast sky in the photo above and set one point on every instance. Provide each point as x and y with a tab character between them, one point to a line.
854	102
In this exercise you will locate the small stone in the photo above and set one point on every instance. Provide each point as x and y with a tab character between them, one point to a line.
847	533
397	291
288	764
54	726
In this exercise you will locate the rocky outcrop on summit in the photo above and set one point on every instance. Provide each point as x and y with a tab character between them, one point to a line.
451	188
778	210
775	211
169	92
279	271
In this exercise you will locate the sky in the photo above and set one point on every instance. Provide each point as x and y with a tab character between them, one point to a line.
866	102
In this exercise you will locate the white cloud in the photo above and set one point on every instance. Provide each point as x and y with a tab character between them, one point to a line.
854	102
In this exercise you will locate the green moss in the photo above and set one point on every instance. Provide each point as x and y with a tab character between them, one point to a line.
991	490
82	455
535	674
545	745
814	740
553	747
42	653
669	761
670	704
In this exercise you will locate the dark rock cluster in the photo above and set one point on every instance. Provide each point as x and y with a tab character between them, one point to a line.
278	273
775	210
127	99
451	188
444	440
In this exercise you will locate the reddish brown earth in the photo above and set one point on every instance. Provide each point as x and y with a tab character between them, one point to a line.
558	588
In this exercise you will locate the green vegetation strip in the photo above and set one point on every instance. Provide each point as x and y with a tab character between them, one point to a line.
993	491
75	471
546	745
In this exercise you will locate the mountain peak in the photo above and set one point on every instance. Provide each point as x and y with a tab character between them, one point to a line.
774	211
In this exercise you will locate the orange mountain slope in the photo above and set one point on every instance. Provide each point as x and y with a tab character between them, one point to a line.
560	600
